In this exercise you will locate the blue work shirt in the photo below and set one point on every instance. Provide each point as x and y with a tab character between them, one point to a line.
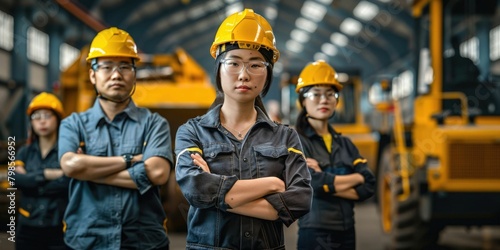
108	217
42	201
268	149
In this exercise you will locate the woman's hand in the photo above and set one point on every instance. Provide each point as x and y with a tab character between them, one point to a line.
313	164
20	169
200	162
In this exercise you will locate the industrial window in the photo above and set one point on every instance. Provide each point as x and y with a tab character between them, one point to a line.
6	31
38	46
402	85
67	55
470	49
495	43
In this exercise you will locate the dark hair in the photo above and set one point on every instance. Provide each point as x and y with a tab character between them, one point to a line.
220	93
301	124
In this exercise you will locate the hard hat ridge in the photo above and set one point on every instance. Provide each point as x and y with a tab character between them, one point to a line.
113	42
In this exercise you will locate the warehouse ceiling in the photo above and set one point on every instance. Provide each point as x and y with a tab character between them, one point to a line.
366	35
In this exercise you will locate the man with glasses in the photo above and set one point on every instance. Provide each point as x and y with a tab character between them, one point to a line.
339	173
117	154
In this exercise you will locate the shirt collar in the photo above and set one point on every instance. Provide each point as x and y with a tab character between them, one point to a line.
97	114
212	118
310	132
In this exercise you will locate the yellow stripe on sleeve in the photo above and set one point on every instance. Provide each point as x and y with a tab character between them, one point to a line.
359	160
326	188
294	150
18	163
190	150
24	212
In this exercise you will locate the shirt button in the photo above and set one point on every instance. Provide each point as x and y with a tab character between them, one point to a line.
247	234
244	159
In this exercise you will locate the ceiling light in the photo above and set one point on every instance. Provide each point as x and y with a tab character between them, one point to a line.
299	36
233	8
325	2
329	49
321	56
278	68
294	46
270	13
365	10
342	77
339	39
306	24
313	11
350	26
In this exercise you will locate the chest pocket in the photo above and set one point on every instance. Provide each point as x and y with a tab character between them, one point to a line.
220	158
96	147
270	160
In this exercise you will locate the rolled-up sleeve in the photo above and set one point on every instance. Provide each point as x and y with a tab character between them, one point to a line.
201	189
367	189
157	143
322	183
296	200
69	136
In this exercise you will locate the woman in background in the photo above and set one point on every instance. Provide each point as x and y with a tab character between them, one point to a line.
340	176
43	186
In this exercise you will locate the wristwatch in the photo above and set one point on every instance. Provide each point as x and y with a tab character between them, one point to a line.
128	159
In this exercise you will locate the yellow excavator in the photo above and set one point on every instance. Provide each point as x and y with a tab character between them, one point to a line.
173	85
442	165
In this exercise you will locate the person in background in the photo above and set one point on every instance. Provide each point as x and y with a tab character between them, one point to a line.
117	154
43	186
243	175
273	109
459	71
340	175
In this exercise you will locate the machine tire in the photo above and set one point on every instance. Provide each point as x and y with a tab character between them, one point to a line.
401	219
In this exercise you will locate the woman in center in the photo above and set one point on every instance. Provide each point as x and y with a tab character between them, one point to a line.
243	175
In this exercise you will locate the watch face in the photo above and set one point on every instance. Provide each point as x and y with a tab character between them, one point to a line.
128	157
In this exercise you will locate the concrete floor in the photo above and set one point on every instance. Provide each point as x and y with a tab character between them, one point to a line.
368	234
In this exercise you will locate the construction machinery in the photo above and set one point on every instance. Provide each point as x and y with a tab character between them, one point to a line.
441	166
349	120
173	85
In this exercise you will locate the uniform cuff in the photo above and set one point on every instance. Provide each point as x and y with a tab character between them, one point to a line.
138	174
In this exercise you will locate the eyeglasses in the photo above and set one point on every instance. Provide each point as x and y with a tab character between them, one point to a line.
316	96
123	68
41	116
236	66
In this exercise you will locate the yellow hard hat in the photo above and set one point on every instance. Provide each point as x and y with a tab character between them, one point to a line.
247	28
113	42
46	100
316	73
